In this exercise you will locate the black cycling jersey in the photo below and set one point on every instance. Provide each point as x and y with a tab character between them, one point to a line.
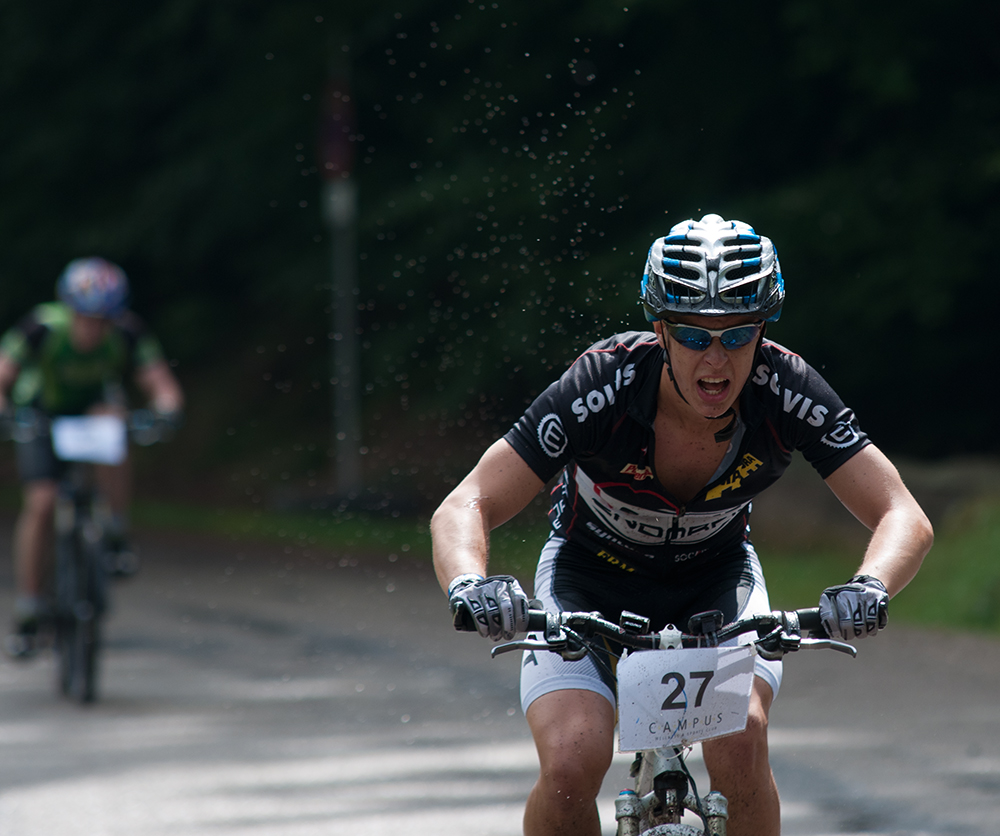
596	424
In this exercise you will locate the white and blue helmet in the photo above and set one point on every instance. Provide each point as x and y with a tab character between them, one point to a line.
712	267
93	286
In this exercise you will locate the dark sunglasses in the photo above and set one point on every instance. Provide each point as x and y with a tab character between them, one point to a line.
699	339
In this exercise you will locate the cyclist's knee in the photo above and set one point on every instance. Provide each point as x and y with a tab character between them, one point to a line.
574	735
40	498
749	748
572	774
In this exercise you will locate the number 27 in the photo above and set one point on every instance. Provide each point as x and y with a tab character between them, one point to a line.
672	703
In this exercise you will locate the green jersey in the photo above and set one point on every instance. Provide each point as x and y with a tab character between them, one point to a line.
60	379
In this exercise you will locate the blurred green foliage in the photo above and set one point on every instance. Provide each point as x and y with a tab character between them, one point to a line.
514	162
958	586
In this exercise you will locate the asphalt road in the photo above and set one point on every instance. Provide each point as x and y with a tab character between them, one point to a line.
259	690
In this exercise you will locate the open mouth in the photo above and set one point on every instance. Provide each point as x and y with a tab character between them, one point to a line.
713	387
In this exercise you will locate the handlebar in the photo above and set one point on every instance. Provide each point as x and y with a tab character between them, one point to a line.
571	633
144	426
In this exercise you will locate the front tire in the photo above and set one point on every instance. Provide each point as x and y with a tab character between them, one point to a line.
77	647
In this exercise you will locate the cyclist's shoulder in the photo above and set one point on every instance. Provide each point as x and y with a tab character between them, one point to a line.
36	328
779	369
48	316
54	316
624	343
611	354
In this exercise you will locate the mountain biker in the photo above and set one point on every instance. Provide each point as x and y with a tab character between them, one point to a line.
71	357
663	438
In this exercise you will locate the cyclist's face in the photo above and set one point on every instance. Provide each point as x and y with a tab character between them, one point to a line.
88	332
711	380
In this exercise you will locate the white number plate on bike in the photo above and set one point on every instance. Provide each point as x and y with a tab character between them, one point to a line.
101	439
679	697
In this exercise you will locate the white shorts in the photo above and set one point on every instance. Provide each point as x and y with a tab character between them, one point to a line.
558	582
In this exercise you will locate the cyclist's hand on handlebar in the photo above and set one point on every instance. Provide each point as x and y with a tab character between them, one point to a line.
170	422
855	609
147	426
496	607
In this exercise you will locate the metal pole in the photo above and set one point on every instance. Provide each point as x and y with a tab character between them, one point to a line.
341	211
337	137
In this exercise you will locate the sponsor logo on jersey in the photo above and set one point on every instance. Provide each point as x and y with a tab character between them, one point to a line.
638	473
685	556
746	467
552	435
794	403
615	561
842	435
643	526
596	399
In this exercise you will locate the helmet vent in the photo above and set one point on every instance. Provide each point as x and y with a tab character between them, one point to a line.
745	294
675	269
741	253
742	272
676	292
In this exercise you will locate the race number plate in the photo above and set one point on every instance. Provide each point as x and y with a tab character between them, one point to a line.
679	697
101	439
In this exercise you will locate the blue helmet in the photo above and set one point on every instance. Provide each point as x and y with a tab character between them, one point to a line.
94	287
712	267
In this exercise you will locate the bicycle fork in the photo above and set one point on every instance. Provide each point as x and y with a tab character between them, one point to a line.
663	784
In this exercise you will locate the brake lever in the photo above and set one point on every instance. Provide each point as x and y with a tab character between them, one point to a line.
774	647
831	644
523	644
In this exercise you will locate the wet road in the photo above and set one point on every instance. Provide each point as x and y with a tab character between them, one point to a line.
254	690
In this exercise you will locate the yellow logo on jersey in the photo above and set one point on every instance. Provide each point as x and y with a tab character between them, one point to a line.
746	467
615	561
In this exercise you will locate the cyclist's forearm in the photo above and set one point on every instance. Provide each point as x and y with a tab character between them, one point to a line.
870	487
898	546
161	387
496	489
460	539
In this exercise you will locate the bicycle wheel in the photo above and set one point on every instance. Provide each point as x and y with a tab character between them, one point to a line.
88	611
77	644
67	591
83	687
80	587
65	640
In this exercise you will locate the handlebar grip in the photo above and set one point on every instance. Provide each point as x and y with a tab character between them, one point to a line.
461	618
810	624
538	621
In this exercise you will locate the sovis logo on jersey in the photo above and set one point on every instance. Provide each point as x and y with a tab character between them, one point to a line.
638	473
746	467
793	401
596	399
552	435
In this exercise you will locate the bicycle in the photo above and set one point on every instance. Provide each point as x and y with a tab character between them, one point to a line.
664	787
84	561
